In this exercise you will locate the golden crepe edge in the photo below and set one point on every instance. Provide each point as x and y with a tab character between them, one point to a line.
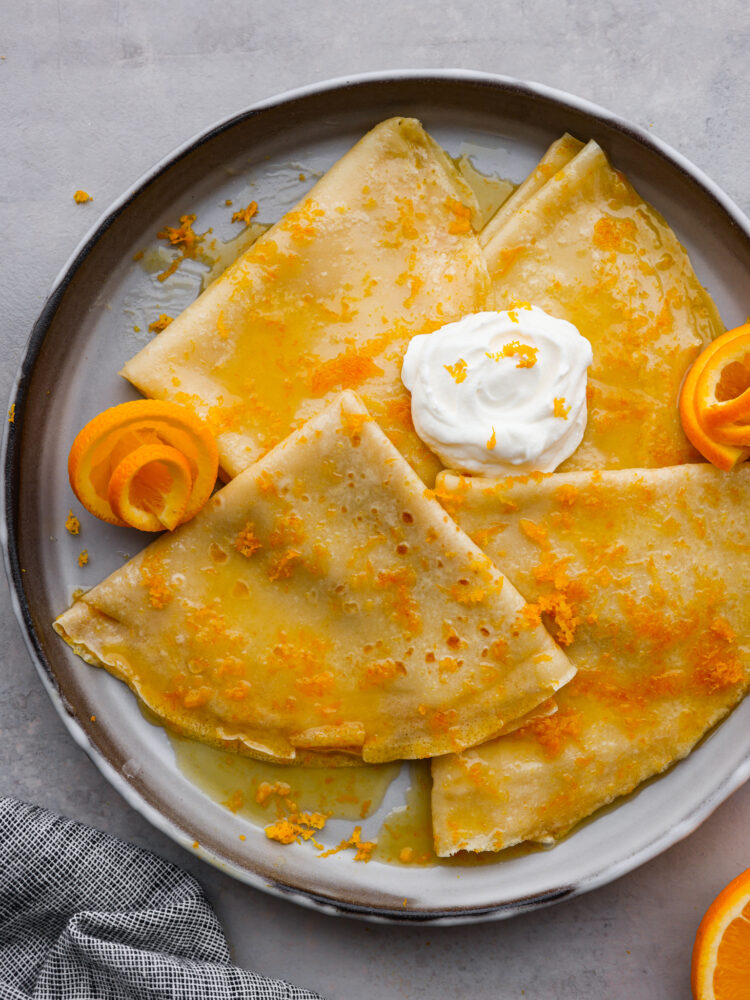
558	155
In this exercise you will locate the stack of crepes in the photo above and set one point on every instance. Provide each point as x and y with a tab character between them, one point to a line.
334	603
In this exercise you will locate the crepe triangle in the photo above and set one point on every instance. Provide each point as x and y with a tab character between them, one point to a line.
635	573
321	602
585	247
381	249
560	153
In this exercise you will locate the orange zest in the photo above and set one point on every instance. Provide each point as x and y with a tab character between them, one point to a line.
147	464
715	399
721	954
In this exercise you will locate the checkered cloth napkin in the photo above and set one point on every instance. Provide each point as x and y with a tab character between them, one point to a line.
84	916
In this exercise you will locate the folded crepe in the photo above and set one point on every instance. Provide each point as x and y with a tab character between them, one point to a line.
557	156
584	246
381	249
321	602
634	573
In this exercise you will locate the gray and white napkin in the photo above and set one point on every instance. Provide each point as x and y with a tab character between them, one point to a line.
84	916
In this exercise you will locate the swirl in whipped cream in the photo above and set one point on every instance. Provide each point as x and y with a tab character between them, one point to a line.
500	392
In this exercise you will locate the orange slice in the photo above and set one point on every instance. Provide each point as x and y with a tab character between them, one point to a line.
723	388
721	954
698	397
150	488
103	444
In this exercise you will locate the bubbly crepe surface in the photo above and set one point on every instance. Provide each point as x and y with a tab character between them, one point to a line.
634	572
381	249
585	247
321	602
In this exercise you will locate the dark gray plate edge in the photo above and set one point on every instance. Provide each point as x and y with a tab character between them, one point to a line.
9	511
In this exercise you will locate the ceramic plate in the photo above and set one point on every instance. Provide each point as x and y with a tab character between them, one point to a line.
87	329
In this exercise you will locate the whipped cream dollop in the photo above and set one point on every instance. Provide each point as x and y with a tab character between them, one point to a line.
500	392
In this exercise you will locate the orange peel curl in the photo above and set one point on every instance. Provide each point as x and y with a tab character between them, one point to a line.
712	400
119	482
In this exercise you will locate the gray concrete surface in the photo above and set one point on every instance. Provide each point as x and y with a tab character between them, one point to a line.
91	94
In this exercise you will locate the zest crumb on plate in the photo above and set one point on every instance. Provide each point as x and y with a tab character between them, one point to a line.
160	324
246	214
